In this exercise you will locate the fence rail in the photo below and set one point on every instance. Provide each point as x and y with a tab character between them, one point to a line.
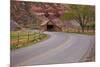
18	39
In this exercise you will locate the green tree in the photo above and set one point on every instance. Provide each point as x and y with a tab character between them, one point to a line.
83	14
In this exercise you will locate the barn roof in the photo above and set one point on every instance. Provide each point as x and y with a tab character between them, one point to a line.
55	22
44	22
59	23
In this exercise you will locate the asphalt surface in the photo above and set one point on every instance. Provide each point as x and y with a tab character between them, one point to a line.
59	48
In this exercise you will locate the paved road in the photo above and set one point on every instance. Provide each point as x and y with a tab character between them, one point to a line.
59	48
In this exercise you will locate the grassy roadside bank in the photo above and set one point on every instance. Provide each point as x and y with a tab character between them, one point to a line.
84	33
23	39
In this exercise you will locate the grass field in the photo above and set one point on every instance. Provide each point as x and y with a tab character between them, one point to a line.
86	32
20	39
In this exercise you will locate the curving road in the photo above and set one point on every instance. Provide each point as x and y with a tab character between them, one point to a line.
59	48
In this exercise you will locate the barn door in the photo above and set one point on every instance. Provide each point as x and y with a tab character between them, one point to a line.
50	27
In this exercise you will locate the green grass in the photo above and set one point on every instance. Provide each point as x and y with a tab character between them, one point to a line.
24	39
79	31
85	33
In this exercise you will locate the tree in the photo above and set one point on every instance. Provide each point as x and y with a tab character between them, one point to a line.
81	13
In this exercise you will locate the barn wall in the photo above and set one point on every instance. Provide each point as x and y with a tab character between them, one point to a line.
57	29
44	28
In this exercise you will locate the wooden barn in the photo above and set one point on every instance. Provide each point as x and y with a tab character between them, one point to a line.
49	14
50	26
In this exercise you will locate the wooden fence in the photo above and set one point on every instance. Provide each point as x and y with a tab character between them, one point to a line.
24	38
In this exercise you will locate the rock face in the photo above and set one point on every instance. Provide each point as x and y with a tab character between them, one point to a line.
32	14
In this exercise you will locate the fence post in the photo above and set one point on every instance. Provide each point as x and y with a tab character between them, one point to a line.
18	39
28	37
